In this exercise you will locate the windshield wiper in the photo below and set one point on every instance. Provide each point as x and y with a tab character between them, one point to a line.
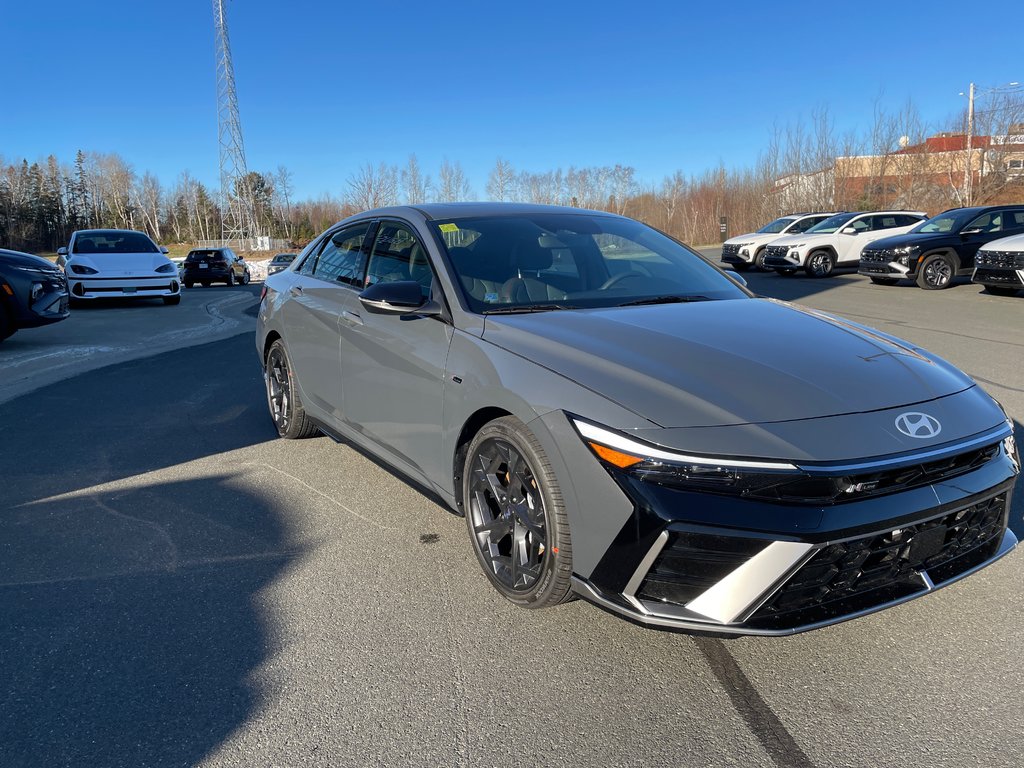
669	299
526	309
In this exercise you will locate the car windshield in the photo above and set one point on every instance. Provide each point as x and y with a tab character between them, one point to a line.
951	221
551	261
283	258
113	242
777	226
831	224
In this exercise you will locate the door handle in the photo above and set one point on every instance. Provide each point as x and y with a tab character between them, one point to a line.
350	317
295	290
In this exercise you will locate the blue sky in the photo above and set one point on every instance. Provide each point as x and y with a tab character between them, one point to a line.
324	87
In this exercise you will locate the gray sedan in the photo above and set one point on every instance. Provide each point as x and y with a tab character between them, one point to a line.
618	419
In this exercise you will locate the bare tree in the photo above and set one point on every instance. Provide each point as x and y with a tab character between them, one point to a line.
415	185
452	183
373	187
501	181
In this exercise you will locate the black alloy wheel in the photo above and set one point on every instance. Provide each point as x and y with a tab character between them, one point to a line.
884	280
759	259
936	272
820	264
230	278
515	515
246	277
283	401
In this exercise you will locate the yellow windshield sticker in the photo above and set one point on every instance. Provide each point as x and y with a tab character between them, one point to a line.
448	228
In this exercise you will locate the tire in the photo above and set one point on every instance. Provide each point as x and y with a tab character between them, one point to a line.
883	280
7	327
230	280
286	409
172	299
510	492
759	260
936	272
205	283
246	277
785	272
189	283
1000	290
820	264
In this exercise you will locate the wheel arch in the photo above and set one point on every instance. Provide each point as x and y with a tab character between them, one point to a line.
472	425
941	251
268	342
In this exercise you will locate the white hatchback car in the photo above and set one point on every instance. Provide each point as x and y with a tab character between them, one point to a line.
837	241
118	263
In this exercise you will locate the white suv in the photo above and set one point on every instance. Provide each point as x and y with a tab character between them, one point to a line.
836	241
745	251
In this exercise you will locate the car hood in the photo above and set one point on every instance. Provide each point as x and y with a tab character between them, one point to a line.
922	239
121	264
27	260
796	239
1011	243
752	237
719	363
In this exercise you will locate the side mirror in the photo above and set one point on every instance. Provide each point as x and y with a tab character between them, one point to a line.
163	249
849	231
402	297
62	251
738	278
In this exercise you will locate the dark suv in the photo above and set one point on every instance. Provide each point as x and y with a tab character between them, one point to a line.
214	265
936	251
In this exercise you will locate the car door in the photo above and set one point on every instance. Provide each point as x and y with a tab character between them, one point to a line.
321	292
986	228
394	365
849	244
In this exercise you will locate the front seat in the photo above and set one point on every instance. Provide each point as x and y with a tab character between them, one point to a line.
528	256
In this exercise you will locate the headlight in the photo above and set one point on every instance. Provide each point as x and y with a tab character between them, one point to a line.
81	269
36	271
650	464
165	268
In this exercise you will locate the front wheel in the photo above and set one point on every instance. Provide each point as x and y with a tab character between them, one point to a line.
246	277
820	264
516	516
282	396
936	272
230	279
759	259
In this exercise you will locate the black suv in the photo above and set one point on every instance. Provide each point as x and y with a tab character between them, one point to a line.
214	265
33	292
937	250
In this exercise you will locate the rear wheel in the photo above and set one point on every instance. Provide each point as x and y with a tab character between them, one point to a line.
1000	290
282	396
230	279
936	272
820	264
246	277
884	280
172	299
516	516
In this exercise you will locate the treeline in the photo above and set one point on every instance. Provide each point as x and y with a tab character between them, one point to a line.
805	166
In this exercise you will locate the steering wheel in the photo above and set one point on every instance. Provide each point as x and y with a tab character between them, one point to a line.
616	279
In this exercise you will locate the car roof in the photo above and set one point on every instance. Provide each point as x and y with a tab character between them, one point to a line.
435	211
107	232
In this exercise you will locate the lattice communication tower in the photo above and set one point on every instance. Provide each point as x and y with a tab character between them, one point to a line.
239	220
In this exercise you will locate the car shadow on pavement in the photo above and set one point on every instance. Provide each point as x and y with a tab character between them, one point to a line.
132	561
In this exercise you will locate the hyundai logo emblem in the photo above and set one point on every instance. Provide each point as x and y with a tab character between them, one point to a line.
914	424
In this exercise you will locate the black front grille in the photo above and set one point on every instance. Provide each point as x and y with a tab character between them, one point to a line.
998	277
1000	259
776	254
867	572
730	251
853	487
879	255
691	563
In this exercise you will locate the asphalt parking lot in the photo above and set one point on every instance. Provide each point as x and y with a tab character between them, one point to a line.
180	587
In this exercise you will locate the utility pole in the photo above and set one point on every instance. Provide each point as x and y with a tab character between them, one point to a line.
238	219
968	176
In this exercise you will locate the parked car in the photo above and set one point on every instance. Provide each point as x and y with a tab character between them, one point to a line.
280	262
935	252
118	263
999	266
215	265
837	241
746	251
33	292
587	392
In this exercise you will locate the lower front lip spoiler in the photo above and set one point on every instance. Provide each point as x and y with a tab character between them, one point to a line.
588	591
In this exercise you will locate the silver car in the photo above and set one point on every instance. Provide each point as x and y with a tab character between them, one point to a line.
618	419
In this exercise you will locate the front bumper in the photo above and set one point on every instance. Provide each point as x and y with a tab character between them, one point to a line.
711	563
731	254
37	301
89	288
1002	269
782	257
886	263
